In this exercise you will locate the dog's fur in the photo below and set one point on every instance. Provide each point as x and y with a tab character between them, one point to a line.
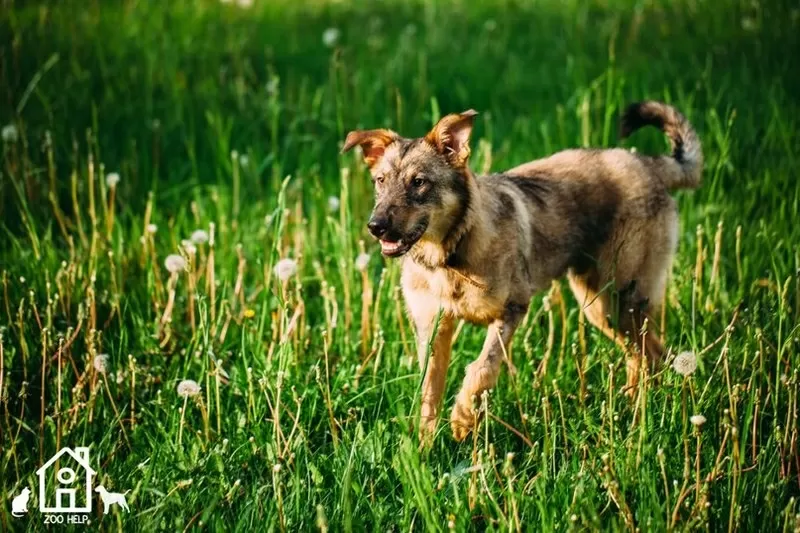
478	248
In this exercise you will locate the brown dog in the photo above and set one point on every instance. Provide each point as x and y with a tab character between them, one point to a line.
478	248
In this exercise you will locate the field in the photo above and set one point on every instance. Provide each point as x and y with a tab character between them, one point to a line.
128	127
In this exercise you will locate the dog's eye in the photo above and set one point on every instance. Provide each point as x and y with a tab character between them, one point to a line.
417	182
378	179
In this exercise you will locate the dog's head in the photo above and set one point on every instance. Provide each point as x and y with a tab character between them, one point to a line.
99	488
421	186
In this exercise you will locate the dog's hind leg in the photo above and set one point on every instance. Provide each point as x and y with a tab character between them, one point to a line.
481	374
435	366
622	319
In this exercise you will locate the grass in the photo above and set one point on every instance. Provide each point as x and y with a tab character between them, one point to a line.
229	120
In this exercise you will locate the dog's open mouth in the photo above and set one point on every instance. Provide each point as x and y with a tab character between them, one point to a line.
396	248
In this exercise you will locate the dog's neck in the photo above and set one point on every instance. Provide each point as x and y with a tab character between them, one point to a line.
466	231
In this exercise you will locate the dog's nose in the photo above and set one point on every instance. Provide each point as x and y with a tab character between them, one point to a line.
378	226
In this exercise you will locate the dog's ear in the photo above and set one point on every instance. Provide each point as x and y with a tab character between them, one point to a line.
373	143
450	136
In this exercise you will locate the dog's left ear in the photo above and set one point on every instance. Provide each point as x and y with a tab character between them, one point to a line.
450	136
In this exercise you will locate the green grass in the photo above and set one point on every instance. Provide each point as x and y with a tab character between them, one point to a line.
216	114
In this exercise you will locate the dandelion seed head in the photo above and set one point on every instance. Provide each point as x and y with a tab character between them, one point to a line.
100	363
152	228
333	204
276	468
189	246
199	236
285	269
188	388
685	363
10	133
330	37
362	261
175	263
112	178
697	420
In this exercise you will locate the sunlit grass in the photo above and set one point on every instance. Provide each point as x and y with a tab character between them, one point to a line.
216	324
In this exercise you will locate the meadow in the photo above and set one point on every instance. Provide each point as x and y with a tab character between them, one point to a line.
187	285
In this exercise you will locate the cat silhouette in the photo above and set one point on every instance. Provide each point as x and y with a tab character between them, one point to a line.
19	505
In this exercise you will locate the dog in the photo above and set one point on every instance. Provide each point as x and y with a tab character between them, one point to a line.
111	498
478	248
19	505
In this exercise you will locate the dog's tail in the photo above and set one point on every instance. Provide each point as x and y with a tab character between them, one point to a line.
685	167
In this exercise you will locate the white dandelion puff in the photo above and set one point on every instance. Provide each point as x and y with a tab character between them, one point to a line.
112	179
285	269
362	261
333	204
273	85
244	161
100	362
175	263
189	246
199	236
697	420
685	363
152	228
188	388
10	133
330	37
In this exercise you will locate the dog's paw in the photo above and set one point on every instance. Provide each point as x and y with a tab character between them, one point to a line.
462	420
427	430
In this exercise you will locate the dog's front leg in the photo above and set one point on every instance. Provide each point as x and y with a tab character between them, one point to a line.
435	366
481	374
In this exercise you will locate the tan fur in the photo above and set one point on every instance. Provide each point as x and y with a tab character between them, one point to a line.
479	248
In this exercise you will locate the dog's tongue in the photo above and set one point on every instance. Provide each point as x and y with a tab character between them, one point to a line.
389	247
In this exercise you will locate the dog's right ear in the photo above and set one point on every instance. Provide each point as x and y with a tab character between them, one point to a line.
373	143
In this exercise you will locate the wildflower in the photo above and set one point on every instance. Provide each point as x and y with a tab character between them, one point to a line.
249	313
285	269
330	37
244	161
100	362
362	261
112	179
10	134
199	236
685	363
333	204
189	246
272	85
188	388
175	263
276	468
697	420
749	24
152	228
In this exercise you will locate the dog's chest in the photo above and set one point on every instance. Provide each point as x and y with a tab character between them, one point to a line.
457	294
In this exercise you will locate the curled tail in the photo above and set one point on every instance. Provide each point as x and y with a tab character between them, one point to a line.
685	167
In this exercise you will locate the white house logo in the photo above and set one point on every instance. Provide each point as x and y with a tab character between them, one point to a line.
71	472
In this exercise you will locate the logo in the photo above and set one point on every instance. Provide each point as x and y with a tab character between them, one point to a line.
70	473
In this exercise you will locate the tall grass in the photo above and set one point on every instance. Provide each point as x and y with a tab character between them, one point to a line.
229	119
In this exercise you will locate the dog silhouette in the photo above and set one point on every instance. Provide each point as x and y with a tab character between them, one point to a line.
19	505
111	498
